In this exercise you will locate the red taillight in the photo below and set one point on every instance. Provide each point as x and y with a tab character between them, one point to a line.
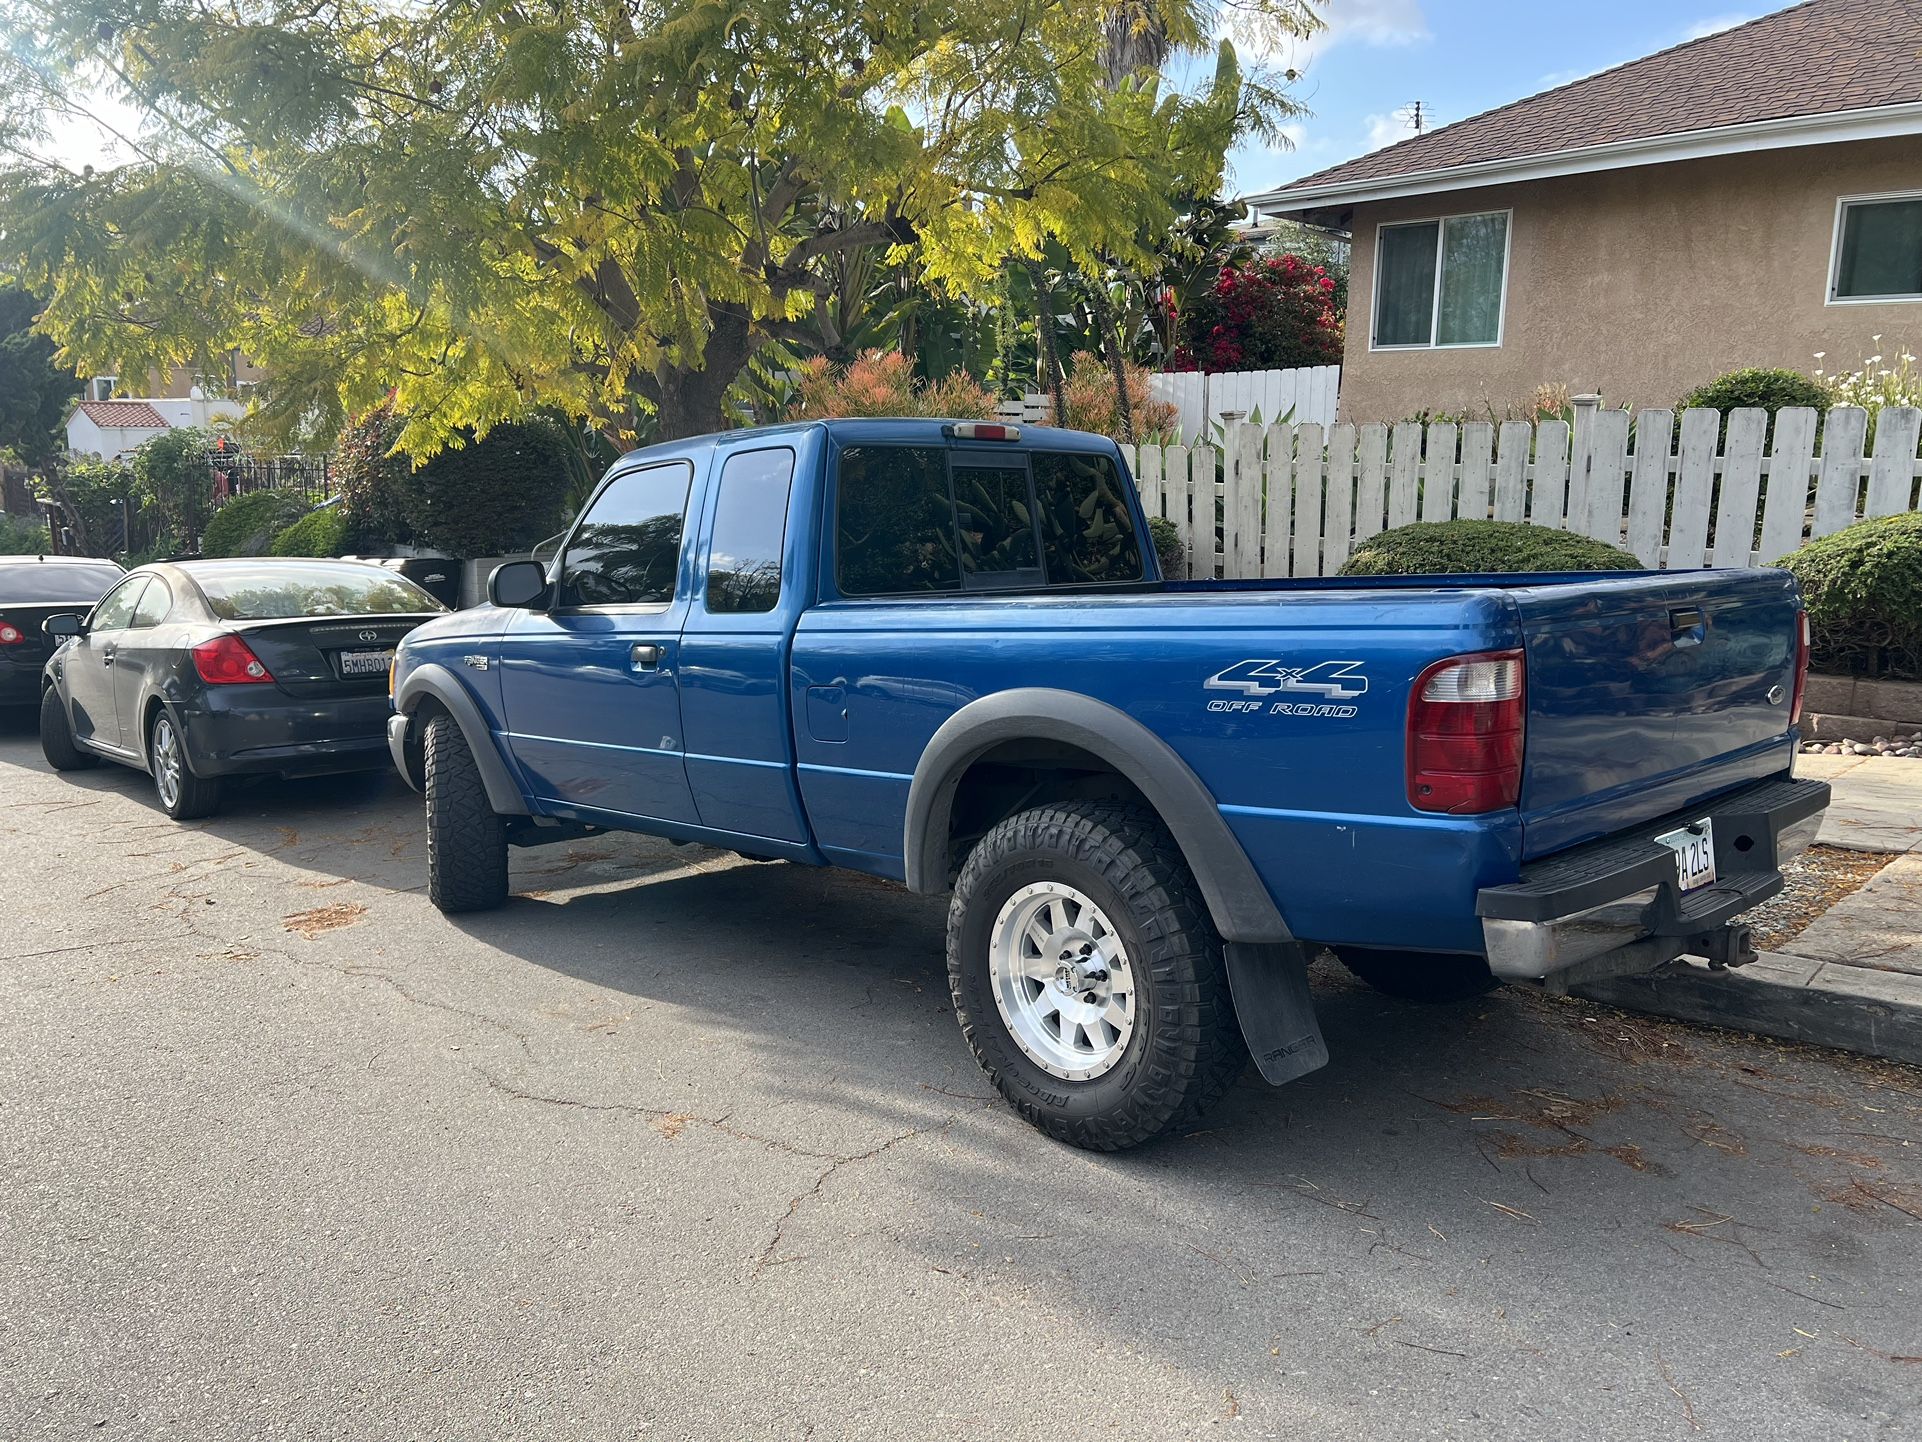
11	635
1801	667
1465	719
229	661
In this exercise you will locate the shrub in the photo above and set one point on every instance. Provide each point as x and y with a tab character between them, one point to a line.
1755	386
247	524
174	471
318	533
1087	399
372	482
20	536
1863	587
1430	548
493	496
882	383
1265	314
1169	550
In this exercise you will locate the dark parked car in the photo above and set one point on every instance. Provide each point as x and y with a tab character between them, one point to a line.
33	588
199	670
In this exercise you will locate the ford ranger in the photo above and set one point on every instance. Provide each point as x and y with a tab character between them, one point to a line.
943	652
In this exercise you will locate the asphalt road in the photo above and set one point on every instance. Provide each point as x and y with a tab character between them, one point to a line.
676	1146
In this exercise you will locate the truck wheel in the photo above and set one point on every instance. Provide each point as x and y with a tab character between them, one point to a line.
1087	977
56	736
466	842
183	795
1420	975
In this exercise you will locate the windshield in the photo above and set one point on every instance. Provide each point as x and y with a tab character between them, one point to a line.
57	580
266	592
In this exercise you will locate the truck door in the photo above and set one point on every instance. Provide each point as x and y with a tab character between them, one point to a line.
589	688
735	645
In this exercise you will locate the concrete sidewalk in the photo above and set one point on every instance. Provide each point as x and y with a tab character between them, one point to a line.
1853	978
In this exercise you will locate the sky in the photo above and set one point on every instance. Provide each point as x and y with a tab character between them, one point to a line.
1458	58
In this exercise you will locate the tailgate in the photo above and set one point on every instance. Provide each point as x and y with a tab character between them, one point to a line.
1650	693
335	656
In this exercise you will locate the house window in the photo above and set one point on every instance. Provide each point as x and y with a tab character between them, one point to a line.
1441	282
1878	249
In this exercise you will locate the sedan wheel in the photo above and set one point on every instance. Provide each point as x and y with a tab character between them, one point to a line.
183	795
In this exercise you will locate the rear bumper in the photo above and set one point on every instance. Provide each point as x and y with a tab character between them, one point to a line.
248	730
20	680
1582	904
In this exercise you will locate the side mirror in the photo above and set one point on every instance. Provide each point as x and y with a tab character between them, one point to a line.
63	625
521	585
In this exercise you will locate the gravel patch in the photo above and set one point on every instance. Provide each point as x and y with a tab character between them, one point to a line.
1901	744
1815	881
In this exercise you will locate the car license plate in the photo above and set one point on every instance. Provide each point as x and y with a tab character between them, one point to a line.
365	663
1694	848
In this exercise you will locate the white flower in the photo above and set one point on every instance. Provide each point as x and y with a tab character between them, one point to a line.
1875	340
1874	360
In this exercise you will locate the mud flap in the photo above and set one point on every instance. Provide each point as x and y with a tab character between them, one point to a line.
1269	982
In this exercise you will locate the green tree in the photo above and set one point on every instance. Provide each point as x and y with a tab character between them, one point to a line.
604	207
34	392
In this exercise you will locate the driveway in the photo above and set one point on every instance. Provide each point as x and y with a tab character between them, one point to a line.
680	1146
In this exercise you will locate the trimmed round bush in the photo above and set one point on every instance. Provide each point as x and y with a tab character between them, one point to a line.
318	533
1863	588
247	524
1173	556
1758	386
1440	548
494	496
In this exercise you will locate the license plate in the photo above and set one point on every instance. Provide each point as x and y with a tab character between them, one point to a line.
1694	848
365	663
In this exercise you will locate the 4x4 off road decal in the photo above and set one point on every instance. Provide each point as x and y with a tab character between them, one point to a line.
1331	681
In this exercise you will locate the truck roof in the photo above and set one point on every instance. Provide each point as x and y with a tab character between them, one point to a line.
879	430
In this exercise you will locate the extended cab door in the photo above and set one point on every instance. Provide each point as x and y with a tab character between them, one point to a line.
735	644
589	688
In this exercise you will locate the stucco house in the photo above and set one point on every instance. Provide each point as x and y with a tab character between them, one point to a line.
1749	198
114	430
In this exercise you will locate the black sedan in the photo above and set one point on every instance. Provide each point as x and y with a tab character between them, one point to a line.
195	671
33	588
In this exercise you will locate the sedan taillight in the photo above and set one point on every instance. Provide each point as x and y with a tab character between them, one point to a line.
1465	718
11	634
229	661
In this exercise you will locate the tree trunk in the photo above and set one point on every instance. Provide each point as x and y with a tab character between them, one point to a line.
1050	357
690	402
1117	370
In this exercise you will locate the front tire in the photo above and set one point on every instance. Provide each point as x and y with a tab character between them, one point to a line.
56	736
182	795
466	840
1087	977
1430	976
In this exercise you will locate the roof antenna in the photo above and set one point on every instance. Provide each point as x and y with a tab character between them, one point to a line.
1414	116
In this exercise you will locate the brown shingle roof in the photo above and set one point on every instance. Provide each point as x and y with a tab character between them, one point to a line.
1813	59
124	413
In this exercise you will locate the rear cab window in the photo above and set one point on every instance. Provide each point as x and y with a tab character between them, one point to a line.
913	520
266	592
81	581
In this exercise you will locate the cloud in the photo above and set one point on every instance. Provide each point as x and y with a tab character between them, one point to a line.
1294	137
1715	24
1388	129
1370	22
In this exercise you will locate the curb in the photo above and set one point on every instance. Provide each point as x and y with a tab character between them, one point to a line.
1853	1008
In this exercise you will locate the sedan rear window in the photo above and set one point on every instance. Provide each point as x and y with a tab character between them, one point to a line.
267	592
57	581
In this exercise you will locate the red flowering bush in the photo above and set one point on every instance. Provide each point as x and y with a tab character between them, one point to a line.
1262	315
882	383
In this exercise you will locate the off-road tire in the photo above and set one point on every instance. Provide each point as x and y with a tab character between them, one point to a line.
1429	976
56	736
1186	1048
194	796
466	840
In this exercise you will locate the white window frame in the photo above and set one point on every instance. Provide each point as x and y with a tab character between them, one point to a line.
1842	204
1440	222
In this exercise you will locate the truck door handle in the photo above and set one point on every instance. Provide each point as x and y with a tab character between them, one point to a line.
1687	626
645	654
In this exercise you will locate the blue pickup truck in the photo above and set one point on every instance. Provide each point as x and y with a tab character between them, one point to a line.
943	652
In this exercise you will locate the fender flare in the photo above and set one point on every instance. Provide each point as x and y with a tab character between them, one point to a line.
1238	902
503	792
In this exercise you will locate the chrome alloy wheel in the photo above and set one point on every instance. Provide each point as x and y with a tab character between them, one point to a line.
1062	981
167	761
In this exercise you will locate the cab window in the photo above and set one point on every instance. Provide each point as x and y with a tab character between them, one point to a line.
750	526
117	606
155	602
627	549
894	521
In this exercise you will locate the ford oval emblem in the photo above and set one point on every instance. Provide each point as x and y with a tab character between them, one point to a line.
375	636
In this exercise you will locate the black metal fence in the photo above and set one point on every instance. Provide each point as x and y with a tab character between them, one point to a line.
312	477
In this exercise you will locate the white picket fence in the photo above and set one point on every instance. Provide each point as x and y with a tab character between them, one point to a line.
1204	397
1293	500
